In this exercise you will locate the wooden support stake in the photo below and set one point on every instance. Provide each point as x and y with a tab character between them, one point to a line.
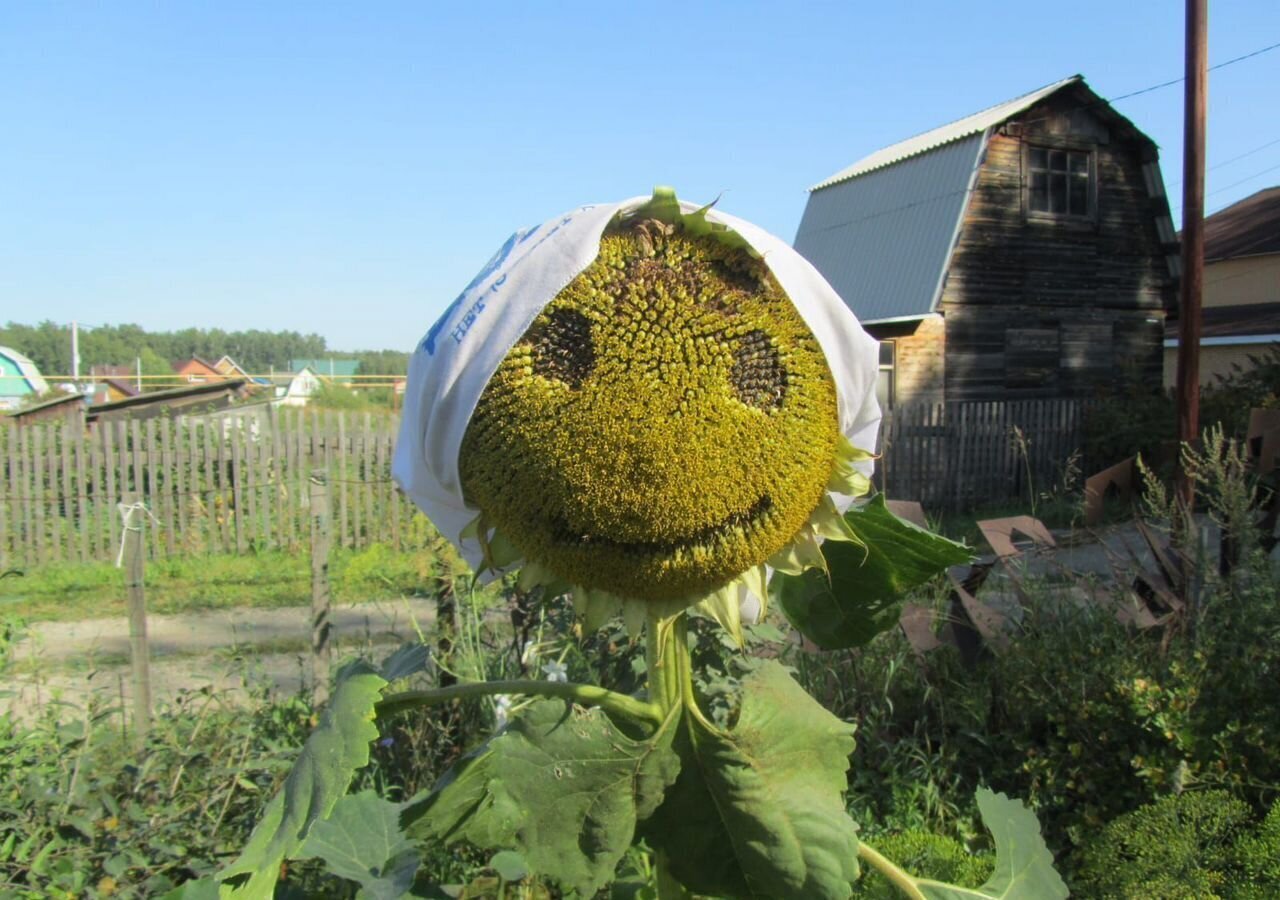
134	560
320	600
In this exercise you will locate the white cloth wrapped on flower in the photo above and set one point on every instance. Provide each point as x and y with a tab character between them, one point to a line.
452	364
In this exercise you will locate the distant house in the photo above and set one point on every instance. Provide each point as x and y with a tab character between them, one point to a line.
339	371
108	390
1025	251
299	388
198	371
1241	298
230	368
19	379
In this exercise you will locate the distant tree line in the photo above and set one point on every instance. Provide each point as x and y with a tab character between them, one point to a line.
49	346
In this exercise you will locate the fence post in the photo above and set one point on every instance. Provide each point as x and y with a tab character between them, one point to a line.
133	556
320	537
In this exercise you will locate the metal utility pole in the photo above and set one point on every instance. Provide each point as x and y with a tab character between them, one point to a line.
75	355
1195	107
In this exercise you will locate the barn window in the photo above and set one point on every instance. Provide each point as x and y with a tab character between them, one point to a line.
884	384
1059	182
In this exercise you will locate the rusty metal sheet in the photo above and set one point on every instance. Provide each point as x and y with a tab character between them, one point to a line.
999	533
1118	478
916	623
910	510
1264	439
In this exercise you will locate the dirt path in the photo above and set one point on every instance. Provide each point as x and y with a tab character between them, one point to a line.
233	652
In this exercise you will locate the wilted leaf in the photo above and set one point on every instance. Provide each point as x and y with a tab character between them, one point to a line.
1024	866
863	595
409	659
758	811
320	776
361	841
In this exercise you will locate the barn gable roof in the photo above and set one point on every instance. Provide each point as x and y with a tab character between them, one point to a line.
882	230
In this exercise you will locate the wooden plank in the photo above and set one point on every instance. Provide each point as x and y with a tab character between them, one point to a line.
344	495
180	500
145	437
8	516
355	471
84	518
275	505
251	447
294	435
37	489
69	507
170	476
109	464
197	524
384	498
133	440
213	492
235	437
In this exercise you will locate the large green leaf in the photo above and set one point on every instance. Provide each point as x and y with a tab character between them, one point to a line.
320	776
563	786
361	841
862	596
758	811
461	806
1024	865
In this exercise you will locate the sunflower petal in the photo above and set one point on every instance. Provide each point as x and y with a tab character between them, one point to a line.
502	553
722	606
601	607
534	574
634	613
829	524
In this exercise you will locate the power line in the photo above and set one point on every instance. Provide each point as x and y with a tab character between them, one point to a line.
1227	187
1221	65
1098	103
1227	162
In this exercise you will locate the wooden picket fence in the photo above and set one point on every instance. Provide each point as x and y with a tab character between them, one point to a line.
239	481
227	483
966	455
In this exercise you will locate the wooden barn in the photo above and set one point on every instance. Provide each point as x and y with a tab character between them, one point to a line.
1023	252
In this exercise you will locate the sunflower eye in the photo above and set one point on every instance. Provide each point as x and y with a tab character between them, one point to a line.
563	348
758	376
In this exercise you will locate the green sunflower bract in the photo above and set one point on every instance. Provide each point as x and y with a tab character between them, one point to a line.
666	423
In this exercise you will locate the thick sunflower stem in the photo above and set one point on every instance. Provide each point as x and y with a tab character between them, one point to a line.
667	660
669	668
583	694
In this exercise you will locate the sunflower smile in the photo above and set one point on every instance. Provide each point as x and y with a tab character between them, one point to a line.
703	537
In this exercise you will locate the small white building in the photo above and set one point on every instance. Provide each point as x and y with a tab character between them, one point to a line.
301	386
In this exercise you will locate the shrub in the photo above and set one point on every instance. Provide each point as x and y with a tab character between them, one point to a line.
1195	846
924	855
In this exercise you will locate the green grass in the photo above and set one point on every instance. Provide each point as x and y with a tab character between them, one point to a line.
74	591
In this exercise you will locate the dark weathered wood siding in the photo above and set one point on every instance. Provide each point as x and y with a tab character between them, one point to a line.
1038	308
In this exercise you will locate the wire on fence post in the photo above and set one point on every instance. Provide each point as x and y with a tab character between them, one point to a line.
320	598
133	514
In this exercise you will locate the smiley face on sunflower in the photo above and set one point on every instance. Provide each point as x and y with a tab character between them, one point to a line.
667	426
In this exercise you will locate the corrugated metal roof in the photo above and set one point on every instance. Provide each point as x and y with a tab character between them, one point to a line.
884	239
34	381
1248	227
970	125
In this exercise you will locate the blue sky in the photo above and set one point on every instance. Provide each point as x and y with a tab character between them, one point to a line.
346	168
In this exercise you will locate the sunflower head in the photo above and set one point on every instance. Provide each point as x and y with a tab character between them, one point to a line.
666	423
